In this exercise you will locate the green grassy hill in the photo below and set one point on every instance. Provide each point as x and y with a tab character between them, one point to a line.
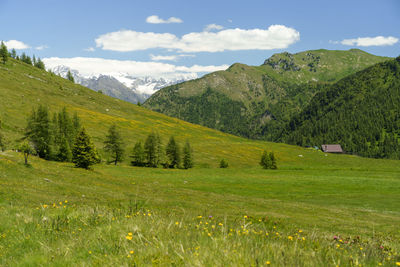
255	101
317	209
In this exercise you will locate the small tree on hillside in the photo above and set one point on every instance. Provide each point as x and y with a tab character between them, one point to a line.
2	142
70	76
84	153
187	156
114	144
173	154
138	157
64	152
150	150
3	53
13	54
268	160
223	164
27	149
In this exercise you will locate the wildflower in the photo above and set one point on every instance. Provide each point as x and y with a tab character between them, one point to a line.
128	256
129	236
209	234
131	252
176	223
245	216
267	262
300	231
60	203
199	217
66	201
303	238
398	263
44	206
90	252
220	224
290	238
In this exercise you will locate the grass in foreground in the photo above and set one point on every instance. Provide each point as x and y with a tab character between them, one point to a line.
54	214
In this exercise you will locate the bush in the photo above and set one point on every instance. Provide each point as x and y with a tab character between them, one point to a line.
223	163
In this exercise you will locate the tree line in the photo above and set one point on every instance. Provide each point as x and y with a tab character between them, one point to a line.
5	55
60	136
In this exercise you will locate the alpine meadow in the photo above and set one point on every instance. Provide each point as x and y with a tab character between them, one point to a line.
290	158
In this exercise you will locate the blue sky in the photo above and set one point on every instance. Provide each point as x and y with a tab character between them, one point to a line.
243	31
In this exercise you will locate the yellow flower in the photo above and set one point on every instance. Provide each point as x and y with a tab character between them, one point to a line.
267	262
209	234
66	201
177	223
303	238
300	231
398	263
245	216
290	237
129	236
131	252
44	206
220	224
199	217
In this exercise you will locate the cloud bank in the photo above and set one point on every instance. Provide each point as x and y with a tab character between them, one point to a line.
96	66
17	45
371	41
275	37
157	20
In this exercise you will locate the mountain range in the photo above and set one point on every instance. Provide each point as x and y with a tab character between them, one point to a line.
258	101
121	86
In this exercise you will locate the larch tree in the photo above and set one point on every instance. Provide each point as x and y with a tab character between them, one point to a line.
3	53
187	156
114	144
84	153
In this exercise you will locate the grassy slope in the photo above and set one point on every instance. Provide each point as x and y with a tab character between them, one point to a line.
321	195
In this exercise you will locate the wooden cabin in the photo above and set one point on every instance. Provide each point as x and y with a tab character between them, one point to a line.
336	148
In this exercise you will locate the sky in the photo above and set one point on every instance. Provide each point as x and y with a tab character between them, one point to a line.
173	38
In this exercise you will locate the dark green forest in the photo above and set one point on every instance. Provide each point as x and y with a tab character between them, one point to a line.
361	112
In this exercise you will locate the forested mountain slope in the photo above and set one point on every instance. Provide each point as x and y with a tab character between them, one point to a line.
361	112
256	101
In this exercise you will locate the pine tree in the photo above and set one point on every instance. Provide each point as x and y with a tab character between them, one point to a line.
172	153
272	158
150	150
70	76
138	157
64	152
84	153
3	53
39	132
13	54
265	161
187	156
114	144
39	64
2	142
223	163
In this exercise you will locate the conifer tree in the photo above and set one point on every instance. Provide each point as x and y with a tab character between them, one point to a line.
2	142
3	53
272	158
265	161
187	156
84	153
64	152
223	163
172	152
13	54
39	64
39	132
114	144
150	150
70	76
138	157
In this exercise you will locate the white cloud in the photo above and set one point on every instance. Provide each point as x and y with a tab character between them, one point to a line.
126	40
16	45
371	41
211	27
163	58
96	66
275	37
41	47
157	20
169	58
89	49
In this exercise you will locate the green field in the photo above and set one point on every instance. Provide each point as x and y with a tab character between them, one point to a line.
317	209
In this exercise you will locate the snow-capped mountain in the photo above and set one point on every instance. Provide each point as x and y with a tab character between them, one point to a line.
122	86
